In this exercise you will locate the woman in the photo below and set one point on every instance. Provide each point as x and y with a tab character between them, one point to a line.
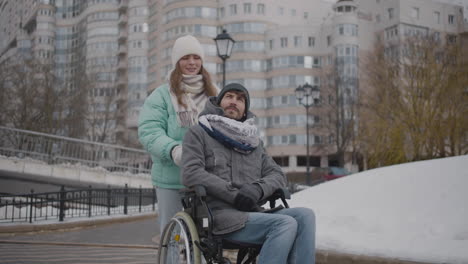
165	117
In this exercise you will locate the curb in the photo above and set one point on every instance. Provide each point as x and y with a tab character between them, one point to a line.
72	244
331	257
31	228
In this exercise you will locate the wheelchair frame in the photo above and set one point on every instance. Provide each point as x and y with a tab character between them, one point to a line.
188	237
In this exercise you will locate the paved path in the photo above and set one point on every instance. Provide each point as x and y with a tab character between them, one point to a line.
124	242
128	242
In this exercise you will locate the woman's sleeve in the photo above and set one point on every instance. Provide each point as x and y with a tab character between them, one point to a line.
152	126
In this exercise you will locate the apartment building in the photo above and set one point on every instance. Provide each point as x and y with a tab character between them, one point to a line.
280	45
106	39
283	44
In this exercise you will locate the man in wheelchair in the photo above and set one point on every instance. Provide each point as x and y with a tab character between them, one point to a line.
224	154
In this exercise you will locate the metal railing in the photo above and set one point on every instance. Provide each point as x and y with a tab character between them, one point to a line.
75	203
58	150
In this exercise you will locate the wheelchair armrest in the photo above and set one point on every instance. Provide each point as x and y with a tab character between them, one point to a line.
198	190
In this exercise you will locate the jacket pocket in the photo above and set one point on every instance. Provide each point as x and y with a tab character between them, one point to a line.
220	164
251	167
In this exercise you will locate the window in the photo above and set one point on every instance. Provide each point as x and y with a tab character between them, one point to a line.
221	12
451	19
284	42
292	138
415	13
247	8
280	11
233	9
271	43
261	9
306	15
297	41
317	139
328	40
390	13
313	161
436	36
340	29
437	16
311	41
282	161
293	12
451	39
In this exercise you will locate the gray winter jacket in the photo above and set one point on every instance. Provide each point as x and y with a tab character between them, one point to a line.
222	171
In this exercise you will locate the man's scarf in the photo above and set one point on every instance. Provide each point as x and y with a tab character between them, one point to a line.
240	136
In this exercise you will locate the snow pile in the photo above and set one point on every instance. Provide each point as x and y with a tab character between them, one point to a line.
415	211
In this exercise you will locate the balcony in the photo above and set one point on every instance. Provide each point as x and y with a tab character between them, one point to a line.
123	6
122	51
123	35
123	19
122	65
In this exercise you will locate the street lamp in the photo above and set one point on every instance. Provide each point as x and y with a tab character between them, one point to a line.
224	44
307	91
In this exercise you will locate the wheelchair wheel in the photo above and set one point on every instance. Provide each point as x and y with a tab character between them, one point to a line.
177	243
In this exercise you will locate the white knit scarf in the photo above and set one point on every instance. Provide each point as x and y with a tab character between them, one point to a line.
241	136
194	97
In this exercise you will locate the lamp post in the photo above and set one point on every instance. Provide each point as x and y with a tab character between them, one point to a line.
307	91
224	44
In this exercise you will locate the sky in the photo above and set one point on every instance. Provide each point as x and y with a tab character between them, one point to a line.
415	211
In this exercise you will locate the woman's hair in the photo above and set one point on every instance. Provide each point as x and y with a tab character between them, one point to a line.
176	79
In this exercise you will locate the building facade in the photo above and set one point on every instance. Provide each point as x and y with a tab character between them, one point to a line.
279	46
106	39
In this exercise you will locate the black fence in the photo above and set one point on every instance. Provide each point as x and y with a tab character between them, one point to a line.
75	203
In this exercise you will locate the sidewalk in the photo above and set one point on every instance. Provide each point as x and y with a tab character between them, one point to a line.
122	240
133	232
126	230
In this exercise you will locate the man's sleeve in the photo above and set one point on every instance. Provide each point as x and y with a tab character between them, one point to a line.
193	170
273	177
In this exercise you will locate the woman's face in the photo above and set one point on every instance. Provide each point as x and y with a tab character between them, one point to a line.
190	64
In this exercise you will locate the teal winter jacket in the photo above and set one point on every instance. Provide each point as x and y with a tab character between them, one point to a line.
159	132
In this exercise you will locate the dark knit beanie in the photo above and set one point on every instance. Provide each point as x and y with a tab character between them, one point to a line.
238	88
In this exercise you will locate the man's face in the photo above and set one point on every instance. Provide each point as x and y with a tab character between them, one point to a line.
233	104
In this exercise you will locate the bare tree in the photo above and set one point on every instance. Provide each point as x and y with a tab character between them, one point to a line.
103	96
414	102
339	104
31	97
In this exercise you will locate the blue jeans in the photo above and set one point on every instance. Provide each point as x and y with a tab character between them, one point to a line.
288	235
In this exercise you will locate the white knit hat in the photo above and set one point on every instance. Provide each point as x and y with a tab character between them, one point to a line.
184	46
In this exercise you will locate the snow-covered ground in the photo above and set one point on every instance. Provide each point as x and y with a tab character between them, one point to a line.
415	211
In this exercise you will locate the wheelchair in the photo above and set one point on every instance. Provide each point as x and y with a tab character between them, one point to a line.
188	237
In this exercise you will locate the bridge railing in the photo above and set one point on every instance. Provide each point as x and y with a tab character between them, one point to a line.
85	203
63	150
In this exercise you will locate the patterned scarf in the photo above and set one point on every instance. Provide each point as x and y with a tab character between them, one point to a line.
240	136
194	97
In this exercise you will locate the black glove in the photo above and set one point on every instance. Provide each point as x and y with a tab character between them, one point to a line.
248	197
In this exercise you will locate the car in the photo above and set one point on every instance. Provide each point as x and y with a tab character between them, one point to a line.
333	173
